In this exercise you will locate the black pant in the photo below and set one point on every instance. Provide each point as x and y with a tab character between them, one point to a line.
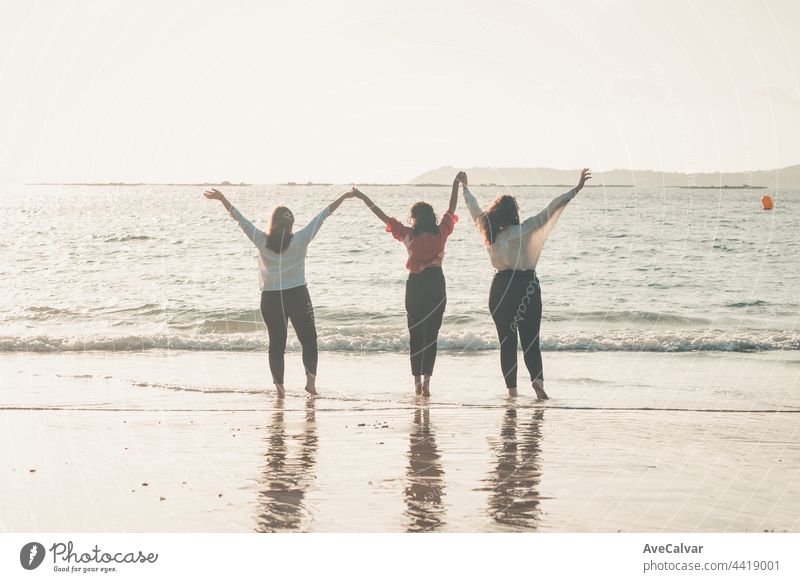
426	298
515	302
277	308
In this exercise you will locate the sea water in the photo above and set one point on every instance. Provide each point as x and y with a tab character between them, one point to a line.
132	268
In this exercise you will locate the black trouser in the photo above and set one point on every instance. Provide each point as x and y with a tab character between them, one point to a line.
515	302
277	309
426	298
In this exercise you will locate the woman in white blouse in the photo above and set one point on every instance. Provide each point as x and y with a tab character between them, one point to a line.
515	300
284	295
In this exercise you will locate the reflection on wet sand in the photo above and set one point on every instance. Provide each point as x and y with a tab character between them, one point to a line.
287	474
514	484
424	476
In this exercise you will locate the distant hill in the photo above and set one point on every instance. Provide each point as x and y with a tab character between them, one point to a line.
784	178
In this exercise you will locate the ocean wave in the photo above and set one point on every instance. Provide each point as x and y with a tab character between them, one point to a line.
619	316
126	238
360	340
751	303
143	310
243	320
249	320
47	312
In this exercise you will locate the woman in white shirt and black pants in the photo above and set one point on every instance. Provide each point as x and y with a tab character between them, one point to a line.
515	300
284	295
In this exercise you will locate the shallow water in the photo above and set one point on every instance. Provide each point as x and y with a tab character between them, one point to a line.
154	267
629	441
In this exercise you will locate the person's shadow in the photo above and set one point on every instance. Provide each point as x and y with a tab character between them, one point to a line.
514	484
424	476
287	474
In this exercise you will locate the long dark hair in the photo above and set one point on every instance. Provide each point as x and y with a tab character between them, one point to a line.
423	218
280	229
501	213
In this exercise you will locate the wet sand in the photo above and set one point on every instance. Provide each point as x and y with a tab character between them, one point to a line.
194	441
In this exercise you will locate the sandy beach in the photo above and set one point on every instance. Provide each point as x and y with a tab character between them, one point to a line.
195	441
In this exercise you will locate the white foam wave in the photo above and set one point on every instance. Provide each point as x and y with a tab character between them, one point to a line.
395	340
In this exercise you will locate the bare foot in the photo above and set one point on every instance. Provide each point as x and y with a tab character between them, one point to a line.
512	392
538	387
426	386
418	385
281	393
311	384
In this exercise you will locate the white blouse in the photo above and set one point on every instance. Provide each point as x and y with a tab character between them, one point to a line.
517	247
278	271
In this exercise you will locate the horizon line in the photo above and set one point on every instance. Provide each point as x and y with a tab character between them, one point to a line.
409	183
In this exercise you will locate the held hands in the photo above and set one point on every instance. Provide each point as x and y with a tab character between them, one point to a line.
586	174
338	202
461	178
213	194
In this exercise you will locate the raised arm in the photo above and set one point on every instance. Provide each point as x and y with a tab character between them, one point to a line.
309	231
371	205
215	194
256	236
454	194
550	213
472	204
338	202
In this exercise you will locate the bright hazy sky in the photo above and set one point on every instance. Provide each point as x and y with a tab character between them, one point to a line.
382	91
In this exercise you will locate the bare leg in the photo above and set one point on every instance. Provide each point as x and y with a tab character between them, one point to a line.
311	384
426	386
512	392
280	391
418	385
538	387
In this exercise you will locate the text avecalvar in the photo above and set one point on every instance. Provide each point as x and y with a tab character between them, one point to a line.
672	549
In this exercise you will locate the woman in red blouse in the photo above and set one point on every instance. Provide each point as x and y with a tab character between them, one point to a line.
426	294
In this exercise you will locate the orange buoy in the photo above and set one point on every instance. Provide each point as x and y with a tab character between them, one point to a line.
766	202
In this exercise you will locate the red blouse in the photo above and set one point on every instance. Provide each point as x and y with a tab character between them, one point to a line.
426	249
